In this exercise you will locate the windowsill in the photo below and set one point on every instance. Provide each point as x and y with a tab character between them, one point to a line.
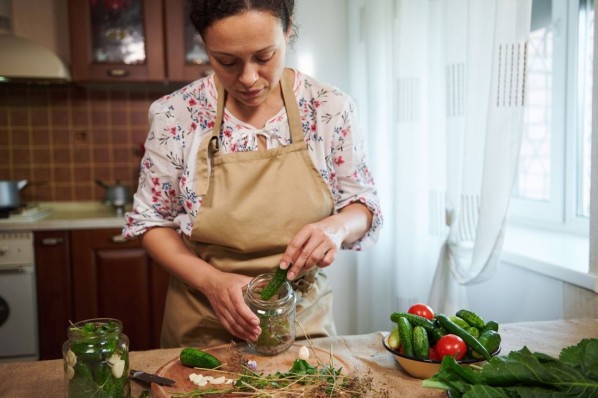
560	256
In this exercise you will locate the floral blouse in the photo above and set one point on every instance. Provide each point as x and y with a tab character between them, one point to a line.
179	122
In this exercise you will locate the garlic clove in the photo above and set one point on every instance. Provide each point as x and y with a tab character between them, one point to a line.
219	380
71	358
118	369
304	353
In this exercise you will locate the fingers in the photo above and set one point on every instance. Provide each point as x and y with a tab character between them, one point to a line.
311	247
233	313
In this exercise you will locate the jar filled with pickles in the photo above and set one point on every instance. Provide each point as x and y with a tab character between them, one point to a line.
96	359
276	314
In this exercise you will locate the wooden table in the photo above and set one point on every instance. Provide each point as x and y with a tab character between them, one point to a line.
362	352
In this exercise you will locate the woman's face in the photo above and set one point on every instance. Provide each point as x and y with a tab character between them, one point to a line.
247	53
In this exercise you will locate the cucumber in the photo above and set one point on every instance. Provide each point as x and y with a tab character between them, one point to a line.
491	340
475	332
471	318
196	358
280	276
490	325
470	340
434	331
459	321
393	338
406	335
421	345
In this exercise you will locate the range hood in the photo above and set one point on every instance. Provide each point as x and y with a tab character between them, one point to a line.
23	60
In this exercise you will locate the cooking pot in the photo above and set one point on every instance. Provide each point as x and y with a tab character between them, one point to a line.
117	194
9	194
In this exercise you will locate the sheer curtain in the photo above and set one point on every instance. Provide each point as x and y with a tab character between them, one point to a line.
441	85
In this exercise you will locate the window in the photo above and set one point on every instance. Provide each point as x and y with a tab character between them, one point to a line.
552	187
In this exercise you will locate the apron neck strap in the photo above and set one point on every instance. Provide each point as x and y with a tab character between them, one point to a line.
290	103
288	96
210	146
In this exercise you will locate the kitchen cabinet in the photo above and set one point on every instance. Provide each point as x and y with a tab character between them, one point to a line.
95	273
134	41
53	270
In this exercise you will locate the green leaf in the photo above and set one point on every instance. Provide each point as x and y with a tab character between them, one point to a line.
526	374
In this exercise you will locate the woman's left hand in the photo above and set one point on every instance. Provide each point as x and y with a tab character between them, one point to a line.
317	244
314	245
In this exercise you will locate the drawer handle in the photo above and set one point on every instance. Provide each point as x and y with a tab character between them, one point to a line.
118	239
52	241
117	72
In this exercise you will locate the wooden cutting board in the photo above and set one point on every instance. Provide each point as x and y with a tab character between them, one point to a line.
282	362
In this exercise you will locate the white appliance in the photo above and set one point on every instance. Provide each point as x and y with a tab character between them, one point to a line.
18	301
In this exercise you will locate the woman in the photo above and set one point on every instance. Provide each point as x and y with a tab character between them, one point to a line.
254	167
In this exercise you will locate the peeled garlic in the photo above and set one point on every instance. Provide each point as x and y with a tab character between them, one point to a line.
114	358
198	379
304	353
70	371
71	358
118	368
218	380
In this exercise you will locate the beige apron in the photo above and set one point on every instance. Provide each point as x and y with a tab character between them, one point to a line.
254	203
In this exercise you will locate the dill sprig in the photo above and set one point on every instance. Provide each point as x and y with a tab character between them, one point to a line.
324	380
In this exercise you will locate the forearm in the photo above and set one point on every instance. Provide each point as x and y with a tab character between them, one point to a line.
166	246
351	222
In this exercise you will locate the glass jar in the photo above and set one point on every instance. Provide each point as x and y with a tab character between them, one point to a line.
277	316
96	359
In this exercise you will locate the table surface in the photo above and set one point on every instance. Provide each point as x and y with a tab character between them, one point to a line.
362	352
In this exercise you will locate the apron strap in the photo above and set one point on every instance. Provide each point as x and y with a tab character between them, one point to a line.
210	145
290	102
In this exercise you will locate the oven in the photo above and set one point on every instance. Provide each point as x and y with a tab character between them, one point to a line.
18	305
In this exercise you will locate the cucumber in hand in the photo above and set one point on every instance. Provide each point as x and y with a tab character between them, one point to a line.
280	276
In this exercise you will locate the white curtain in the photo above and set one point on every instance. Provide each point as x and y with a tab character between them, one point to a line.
441	84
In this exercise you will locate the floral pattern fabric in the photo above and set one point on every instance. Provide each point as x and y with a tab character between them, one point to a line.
180	121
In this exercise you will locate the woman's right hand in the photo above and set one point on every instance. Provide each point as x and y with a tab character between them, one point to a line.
224	290
225	293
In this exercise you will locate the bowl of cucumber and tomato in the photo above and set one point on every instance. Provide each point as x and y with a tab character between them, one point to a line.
420	339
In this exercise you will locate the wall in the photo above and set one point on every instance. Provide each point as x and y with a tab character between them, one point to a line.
62	138
515	294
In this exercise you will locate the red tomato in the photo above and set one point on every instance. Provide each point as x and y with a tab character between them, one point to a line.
433	355
422	310
452	345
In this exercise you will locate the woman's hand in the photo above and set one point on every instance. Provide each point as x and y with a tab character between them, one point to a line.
225	293
314	245
317	244
224	290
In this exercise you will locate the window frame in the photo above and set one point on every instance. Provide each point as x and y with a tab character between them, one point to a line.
559	214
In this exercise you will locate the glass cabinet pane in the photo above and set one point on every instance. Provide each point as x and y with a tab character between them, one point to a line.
117	31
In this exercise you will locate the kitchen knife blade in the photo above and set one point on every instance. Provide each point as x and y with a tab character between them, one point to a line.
150	378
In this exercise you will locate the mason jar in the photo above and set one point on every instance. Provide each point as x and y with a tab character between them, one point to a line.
277	316
96	359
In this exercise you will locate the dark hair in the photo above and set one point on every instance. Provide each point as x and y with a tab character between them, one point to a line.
204	13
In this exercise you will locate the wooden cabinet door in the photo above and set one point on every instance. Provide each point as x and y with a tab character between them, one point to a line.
53	275
186	59
117	40
116	279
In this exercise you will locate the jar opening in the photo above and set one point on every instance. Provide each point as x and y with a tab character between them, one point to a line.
96	328
284	295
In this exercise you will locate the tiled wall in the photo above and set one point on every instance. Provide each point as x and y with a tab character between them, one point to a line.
63	138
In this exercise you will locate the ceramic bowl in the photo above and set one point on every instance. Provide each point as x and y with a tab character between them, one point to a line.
424	368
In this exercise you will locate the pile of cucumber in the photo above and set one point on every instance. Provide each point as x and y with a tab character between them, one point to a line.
426	335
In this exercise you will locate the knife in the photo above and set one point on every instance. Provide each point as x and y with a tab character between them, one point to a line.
150	378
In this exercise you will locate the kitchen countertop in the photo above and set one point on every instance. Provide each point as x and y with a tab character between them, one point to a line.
66	215
362	352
